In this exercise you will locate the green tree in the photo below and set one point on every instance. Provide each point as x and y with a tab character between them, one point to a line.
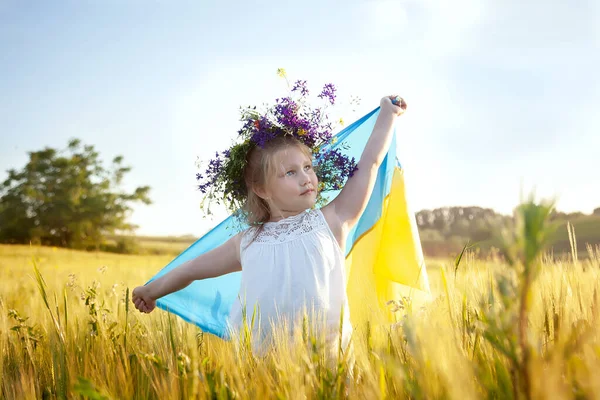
66	198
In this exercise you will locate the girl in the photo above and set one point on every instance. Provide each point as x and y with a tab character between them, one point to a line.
291	259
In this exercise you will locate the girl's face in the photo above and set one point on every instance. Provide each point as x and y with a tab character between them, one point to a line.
293	188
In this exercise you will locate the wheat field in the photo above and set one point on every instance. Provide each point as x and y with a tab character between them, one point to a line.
69	330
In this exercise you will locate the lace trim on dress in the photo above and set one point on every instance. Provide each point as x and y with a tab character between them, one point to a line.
286	229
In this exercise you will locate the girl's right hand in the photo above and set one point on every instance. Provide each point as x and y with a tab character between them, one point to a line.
142	300
388	105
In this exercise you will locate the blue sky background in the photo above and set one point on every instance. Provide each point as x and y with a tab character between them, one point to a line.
502	95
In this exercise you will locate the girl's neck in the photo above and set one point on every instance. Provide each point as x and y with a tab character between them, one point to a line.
284	215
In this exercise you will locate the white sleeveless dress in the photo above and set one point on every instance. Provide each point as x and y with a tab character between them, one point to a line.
292	266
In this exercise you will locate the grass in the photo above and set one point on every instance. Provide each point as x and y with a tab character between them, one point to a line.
524	329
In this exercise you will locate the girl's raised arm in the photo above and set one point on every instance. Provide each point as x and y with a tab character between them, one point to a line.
349	205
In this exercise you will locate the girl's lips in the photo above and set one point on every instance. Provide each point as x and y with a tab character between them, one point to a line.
307	192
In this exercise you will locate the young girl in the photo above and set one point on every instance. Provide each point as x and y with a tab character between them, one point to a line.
291	259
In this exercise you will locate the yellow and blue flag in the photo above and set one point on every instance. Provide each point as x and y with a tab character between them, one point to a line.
384	259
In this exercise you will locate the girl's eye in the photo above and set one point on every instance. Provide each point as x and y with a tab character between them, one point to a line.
308	167
289	173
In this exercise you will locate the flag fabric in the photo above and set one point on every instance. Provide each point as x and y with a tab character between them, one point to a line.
384	259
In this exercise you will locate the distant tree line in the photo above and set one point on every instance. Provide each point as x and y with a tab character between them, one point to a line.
66	198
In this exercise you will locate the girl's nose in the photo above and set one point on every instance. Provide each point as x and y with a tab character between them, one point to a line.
305	178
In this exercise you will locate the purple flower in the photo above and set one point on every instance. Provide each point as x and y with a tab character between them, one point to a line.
328	92
300	86
285	112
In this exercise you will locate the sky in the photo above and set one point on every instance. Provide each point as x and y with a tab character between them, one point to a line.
503	96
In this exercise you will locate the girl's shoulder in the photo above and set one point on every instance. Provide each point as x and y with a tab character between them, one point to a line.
246	236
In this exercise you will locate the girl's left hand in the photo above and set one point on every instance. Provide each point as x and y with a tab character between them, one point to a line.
387	105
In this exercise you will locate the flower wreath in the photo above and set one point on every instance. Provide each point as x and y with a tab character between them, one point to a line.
223	179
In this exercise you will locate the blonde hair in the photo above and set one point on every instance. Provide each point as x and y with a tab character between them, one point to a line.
260	170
